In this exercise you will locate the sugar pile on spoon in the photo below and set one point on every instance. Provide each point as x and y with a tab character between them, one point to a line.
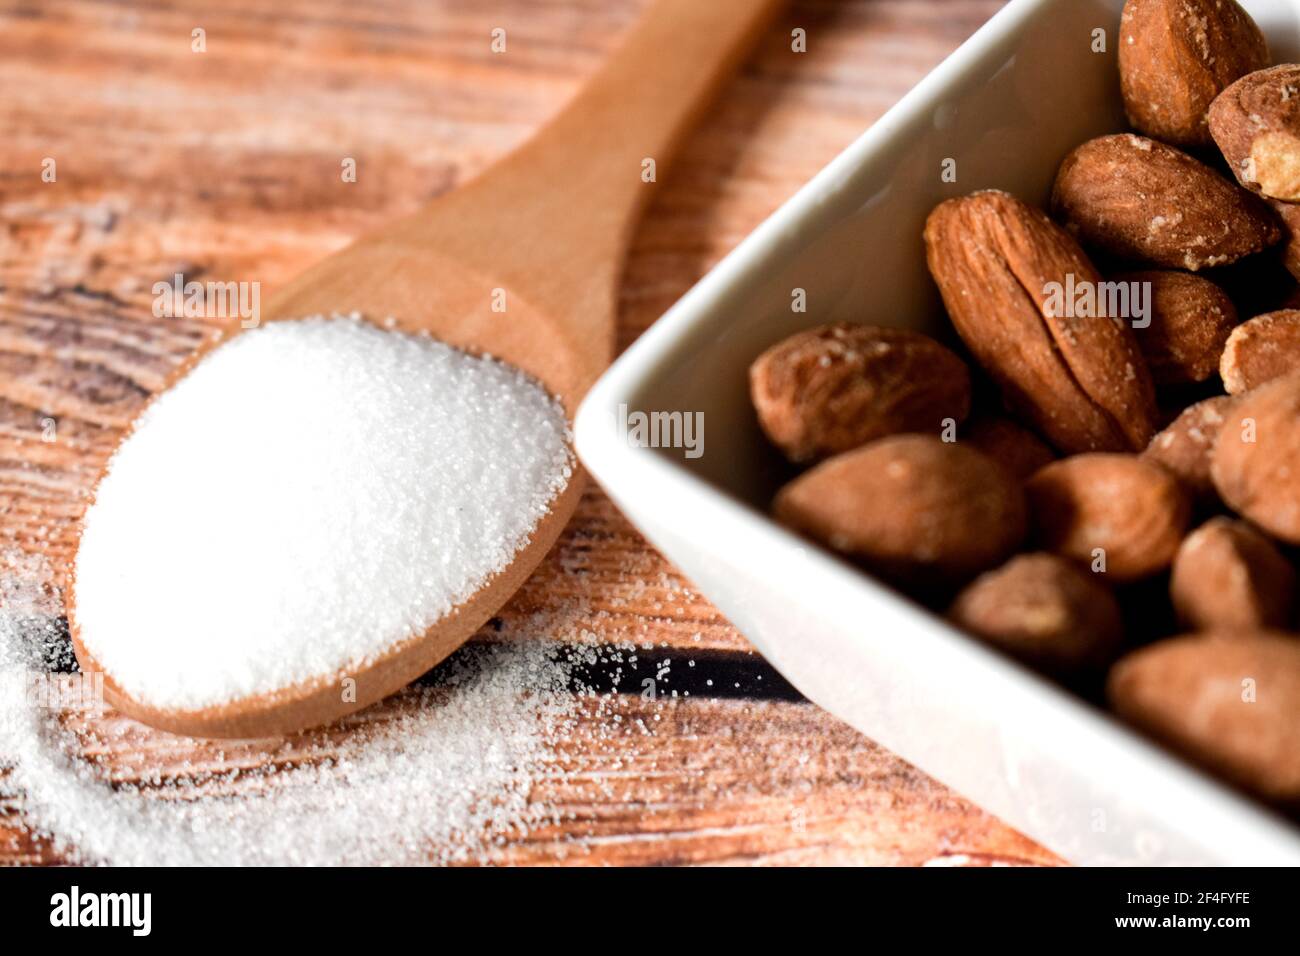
312	494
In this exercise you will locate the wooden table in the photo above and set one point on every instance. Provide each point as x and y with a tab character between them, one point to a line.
225	165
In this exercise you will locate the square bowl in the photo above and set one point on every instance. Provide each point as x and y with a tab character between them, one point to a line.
1007	107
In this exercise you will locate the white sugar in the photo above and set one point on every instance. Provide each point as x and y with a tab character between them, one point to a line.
441	774
310	495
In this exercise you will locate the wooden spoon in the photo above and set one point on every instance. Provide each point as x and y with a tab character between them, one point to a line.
547	228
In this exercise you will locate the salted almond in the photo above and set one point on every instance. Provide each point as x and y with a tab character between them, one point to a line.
1044	611
1228	700
1117	514
1191	319
1080	380
1256	122
1258	351
1256	463
1176	56
911	507
833	388
1010	444
1228	575
1186	446
1289	215
1137	199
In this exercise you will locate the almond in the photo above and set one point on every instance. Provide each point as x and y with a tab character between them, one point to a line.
1044	611
1228	575
1228	700
831	389
1137	199
1256	122
911	507
1289	215
1186	446
1258	351
1257	284
1079	380
1256	463
1012	446
1118	513
1191	319
1176	56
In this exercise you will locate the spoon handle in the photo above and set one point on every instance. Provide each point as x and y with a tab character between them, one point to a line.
638	107
571	194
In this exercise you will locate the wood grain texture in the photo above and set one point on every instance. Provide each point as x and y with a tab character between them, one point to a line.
225	165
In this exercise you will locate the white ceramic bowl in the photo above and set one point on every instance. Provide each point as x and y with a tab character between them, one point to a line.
1007	107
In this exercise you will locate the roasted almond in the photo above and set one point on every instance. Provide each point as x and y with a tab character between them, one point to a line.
1228	700
1044	611
1010	444
1258	351
1138	199
1289	215
912	507
1256	464
1176	56
831	389
1256	122
1191	319
1116	514
1228	575
1186	446
1080	380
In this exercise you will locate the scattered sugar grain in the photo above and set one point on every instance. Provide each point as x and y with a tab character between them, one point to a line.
445	773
